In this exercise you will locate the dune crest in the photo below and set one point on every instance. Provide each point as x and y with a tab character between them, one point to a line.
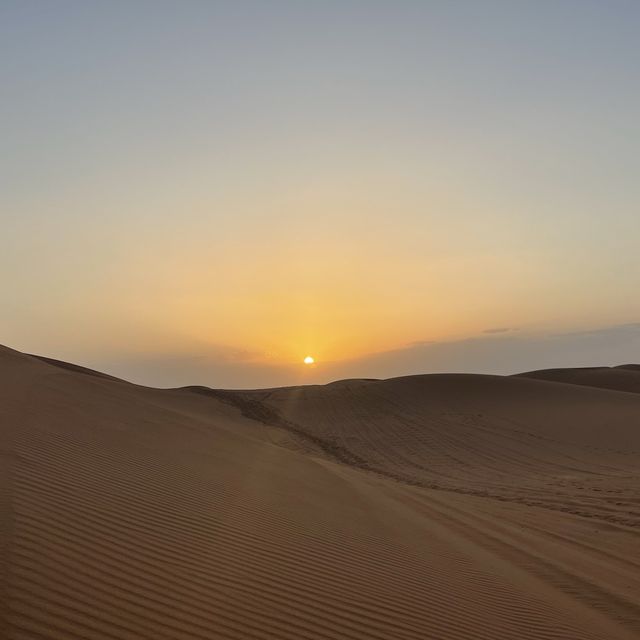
455	507
622	378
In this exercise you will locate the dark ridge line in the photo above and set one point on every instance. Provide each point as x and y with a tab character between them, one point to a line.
76	368
258	411
527	373
624	367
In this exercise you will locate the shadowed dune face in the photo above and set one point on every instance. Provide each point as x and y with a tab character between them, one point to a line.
426	507
622	378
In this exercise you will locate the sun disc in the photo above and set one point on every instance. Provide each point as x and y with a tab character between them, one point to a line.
309	360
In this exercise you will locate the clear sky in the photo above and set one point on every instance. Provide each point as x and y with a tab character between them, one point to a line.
207	192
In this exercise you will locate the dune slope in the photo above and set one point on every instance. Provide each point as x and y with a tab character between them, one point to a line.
427	507
622	378
513	438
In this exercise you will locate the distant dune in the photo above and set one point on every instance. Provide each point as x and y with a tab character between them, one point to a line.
622	378
443	507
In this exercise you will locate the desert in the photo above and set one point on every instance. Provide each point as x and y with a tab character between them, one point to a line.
435	506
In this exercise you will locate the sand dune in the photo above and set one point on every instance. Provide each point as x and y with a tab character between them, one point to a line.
622	378
514	438
443	507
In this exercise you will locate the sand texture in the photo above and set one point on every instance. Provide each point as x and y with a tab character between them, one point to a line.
428	507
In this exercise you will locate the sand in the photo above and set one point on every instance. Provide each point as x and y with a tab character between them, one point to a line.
622	378
438	506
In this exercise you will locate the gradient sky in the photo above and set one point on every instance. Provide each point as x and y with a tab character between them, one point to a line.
206	192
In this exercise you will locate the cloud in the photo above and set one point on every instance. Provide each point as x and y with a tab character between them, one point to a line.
500	330
630	328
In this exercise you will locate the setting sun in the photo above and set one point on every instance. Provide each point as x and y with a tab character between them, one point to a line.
439	199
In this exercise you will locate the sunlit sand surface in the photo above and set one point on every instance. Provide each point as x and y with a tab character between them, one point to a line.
427	507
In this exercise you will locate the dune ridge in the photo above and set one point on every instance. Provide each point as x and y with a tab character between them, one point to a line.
451	506
620	378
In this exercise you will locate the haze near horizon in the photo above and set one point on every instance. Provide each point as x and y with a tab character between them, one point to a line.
207	193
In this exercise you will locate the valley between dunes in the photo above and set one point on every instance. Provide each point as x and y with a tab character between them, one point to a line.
441	507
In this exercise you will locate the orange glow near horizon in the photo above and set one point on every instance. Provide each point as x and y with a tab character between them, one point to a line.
299	200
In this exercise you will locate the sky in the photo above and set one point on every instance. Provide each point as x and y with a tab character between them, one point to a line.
201	192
